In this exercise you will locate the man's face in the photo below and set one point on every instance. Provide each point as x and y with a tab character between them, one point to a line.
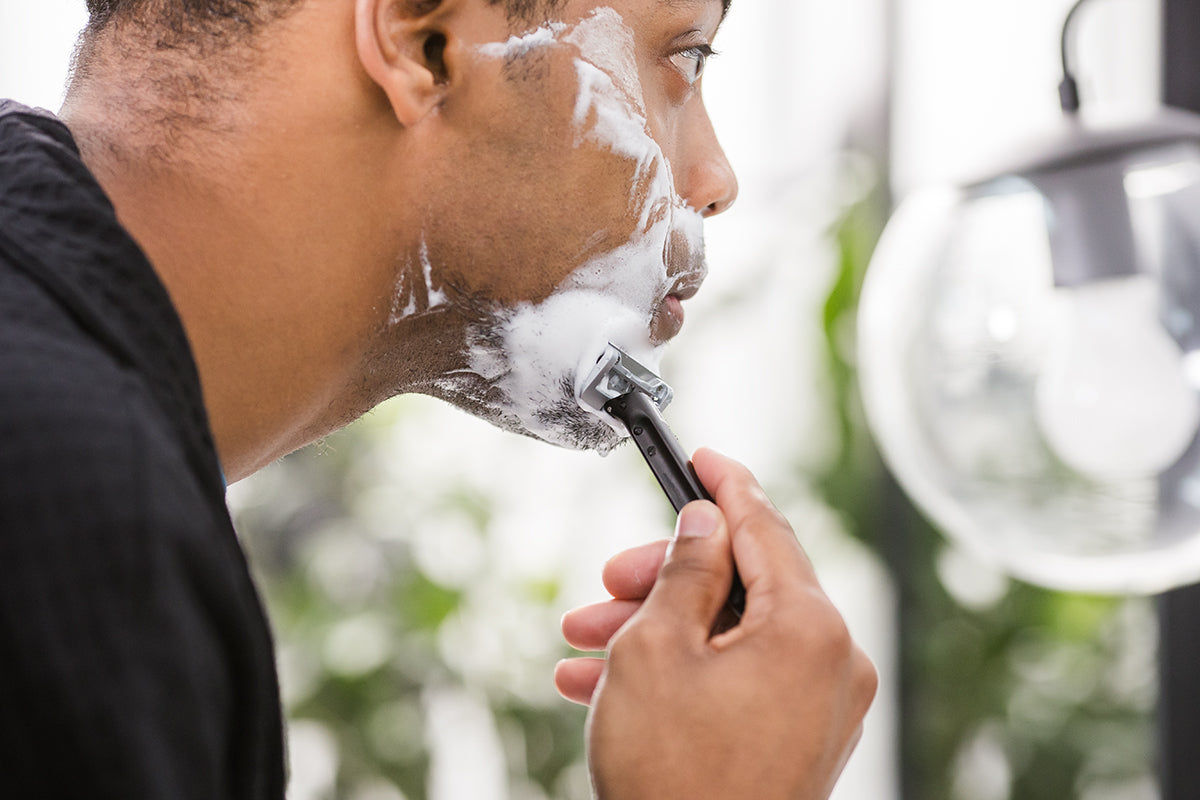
563	211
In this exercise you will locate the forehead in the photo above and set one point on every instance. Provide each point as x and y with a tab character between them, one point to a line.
644	8
723	3
695	6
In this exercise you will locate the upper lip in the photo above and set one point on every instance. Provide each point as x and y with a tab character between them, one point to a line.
667	319
686	267
686	285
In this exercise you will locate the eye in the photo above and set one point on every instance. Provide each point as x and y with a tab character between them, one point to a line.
690	61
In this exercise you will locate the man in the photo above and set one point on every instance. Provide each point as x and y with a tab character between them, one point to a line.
262	218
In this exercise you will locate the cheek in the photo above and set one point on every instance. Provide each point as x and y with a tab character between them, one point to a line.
554	171
517	236
529	208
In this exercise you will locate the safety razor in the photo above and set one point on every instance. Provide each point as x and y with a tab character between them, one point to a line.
629	392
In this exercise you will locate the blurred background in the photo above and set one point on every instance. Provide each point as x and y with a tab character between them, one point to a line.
416	564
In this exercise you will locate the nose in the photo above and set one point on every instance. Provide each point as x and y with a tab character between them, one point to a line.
703	176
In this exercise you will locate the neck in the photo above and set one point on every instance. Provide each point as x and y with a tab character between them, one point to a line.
253	222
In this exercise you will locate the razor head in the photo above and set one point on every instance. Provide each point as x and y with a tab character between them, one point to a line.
616	373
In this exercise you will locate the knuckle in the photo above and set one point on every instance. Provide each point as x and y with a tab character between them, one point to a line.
820	628
766	517
836	643
766	525
866	679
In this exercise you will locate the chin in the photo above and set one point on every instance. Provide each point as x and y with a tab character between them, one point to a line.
569	431
568	424
520	365
559	421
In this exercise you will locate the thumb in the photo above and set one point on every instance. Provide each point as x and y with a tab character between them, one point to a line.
695	578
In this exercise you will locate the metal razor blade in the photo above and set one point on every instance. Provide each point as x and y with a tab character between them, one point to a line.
618	373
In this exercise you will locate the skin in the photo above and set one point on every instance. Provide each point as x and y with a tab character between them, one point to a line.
771	708
361	157
283	221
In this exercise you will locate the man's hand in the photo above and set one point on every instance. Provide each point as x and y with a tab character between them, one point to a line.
769	709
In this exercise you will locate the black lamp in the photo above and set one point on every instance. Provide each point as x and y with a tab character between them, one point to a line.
1030	352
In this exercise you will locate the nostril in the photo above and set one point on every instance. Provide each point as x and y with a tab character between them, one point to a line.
718	206
722	188
709	183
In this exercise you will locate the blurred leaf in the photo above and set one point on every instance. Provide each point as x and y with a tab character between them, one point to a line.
424	604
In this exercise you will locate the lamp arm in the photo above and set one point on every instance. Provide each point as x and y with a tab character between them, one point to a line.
1068	90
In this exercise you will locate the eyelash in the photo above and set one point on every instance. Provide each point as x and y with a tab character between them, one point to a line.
696	55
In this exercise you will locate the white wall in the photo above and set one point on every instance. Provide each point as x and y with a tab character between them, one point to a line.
36	40
973	76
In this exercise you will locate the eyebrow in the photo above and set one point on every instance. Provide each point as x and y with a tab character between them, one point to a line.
724	4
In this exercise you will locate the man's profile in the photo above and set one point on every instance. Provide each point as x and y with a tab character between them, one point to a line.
254	220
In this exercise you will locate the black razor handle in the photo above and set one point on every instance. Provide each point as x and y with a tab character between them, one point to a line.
669	463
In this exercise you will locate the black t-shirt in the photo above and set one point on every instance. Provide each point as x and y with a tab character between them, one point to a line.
135	659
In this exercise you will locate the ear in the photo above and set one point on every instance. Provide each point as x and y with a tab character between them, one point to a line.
401	47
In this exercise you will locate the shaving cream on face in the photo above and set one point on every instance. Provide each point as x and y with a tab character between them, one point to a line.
416	298
606	45
533	357
517	46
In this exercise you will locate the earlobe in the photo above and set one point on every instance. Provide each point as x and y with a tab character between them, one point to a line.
402	50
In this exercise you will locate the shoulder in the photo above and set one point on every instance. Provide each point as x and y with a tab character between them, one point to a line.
92	460
23	121
131	634
69	427
73	421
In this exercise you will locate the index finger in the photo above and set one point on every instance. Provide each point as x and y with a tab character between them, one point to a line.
762	537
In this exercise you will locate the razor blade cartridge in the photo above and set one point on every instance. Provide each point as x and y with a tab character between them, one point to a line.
617	373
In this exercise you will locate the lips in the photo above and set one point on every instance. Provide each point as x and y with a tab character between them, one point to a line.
667	320
684	259
686	285
669	315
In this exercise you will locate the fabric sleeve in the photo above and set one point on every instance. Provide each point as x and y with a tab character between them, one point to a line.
130	666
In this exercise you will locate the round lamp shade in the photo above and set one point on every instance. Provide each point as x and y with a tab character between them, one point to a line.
1029	349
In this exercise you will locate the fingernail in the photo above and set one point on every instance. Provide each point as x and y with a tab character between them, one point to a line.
697	521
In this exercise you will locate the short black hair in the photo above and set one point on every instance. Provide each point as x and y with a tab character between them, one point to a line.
180	16
201	29
210	32
182	21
